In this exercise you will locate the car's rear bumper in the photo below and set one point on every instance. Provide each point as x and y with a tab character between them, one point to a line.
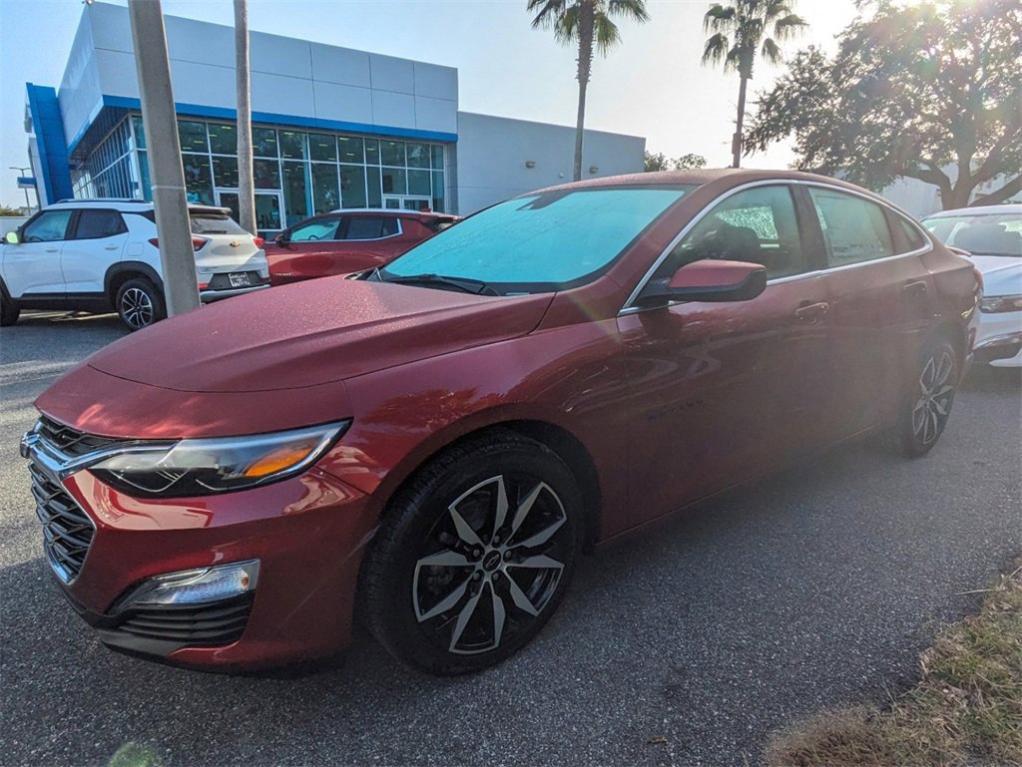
307	534
208	296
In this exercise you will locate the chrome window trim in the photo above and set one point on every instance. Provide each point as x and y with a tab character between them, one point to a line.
630	307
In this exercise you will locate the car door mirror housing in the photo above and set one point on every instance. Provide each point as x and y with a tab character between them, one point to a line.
12	238
707	280
282	239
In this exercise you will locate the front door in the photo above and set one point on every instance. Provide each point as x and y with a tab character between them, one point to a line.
32	267
269	206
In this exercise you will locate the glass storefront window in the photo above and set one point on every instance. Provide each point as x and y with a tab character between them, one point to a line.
136	125
295	200
372	151
322	147
393	181
438	191
418	155
225	172
143	170
374	199
193	136
351	149
437	152
392	153
223	139
264	142
267	174
292	145
419	182
198	181
353	186
325	192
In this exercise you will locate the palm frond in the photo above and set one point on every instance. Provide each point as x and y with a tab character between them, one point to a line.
719	18
788	26
605	33
771	51
716	49
633	9
548	12
566	28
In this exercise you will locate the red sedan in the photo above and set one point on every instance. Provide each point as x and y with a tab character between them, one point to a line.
348	241
436	443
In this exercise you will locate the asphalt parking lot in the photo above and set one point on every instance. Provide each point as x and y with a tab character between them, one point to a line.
686	645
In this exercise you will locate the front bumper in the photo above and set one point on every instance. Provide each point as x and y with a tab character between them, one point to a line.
999	339
307	533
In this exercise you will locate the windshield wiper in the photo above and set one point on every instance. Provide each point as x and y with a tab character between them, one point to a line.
464	284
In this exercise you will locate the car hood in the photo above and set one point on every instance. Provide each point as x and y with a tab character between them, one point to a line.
313	333
1002	275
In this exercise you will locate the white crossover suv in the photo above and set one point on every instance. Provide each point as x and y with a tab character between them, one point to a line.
991	237
103	255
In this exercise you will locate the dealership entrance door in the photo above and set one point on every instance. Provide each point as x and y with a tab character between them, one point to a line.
407	201
268	207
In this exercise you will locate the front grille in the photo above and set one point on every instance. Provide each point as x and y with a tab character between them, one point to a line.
70	441
205	626
67	530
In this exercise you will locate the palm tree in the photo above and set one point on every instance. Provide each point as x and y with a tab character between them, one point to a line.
739	28
586	23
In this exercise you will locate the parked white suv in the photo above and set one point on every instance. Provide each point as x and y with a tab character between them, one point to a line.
99	255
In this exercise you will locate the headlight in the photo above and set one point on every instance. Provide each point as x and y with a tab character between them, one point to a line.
204	466
996	304
194	587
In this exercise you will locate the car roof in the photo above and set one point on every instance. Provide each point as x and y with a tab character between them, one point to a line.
130	206
979	210
403	212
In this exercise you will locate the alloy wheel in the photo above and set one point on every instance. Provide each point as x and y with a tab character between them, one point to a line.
137	308
490	564
933	403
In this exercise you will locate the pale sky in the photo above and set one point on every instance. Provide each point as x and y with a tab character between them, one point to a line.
652	85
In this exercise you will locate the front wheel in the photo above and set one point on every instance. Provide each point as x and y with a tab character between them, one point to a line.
925	411
474	555
139	303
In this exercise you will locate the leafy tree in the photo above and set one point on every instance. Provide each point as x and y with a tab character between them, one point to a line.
739	28
6	210
660	161
911	91
585	23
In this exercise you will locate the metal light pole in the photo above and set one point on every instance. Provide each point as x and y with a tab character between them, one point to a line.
21	172
246	184
149	39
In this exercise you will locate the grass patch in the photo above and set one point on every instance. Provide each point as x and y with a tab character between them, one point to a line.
966	709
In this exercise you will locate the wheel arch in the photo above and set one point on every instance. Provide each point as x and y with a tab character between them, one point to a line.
123	271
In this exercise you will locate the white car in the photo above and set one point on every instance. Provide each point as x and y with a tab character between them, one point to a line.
98	255
992	238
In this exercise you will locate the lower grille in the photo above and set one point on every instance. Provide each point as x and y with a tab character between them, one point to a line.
205	625
67	530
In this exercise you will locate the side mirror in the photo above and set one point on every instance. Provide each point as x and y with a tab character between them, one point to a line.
12	238
708	280
282	239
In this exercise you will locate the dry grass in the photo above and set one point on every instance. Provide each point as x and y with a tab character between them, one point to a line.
966	709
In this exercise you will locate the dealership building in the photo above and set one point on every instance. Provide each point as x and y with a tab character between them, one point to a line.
332	128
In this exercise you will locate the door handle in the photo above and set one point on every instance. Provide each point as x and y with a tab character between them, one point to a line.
915	287
52	250
110	247
812	312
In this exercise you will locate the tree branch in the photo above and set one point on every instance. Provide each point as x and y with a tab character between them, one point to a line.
1012	187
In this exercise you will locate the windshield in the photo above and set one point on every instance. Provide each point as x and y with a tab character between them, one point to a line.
539	241
213	223
988	234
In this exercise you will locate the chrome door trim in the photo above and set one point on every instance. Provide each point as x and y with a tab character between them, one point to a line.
629	305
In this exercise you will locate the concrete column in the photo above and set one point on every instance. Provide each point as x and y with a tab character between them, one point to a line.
246	184
165	170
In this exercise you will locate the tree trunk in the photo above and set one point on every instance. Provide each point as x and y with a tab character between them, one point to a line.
585	66
246	183
736	141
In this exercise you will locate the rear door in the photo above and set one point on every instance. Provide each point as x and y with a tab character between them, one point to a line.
96	243
32	267
879	305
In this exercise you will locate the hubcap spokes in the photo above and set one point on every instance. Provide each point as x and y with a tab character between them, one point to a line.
496	576
933	405
137	308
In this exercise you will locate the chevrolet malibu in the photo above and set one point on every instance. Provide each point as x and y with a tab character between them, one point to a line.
432	446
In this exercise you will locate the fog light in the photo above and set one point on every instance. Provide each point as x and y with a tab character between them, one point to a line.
195	587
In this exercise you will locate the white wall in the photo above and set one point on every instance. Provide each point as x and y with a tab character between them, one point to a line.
493	151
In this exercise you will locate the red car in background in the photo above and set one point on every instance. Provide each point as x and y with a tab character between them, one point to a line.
348	241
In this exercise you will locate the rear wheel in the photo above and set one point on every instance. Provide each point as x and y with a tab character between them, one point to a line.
139	303
925	410
474	555
9	310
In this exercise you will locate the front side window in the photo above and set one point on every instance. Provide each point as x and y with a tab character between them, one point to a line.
540	241
48	227
998	234
854	229
371	227
758	225
320	229
95	224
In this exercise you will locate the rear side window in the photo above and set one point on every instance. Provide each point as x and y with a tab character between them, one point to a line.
211	223
908	237
370	227
320	229
854	229
48	227
96	224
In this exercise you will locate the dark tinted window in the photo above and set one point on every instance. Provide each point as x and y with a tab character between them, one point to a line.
758	225
50	226
93	224
910	237
212	223
854	229
370	227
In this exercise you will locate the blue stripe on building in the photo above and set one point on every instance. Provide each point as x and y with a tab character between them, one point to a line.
51	144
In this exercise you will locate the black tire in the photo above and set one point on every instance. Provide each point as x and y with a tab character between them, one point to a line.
139	303
415	608
9	309
926	406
